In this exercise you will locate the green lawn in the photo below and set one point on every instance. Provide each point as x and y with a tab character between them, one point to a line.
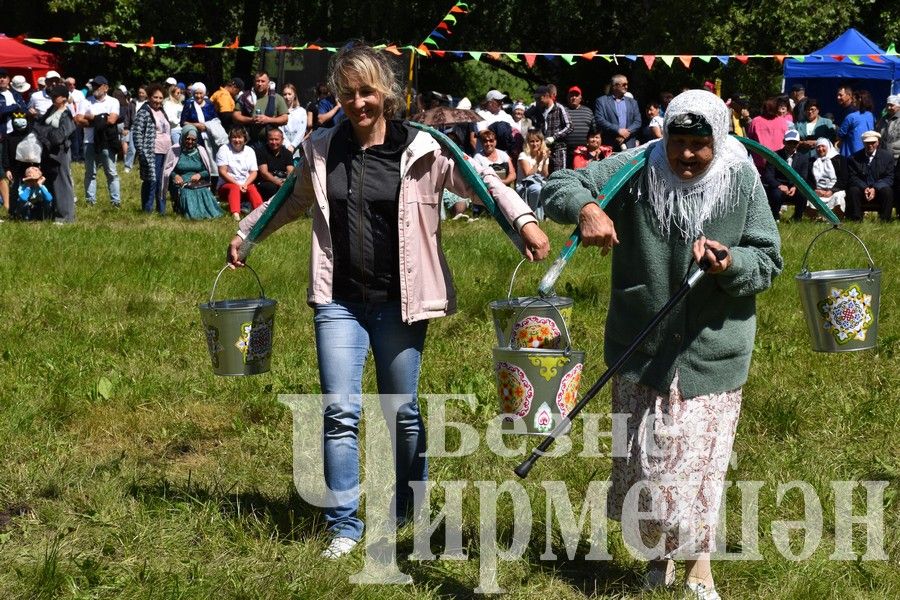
129	471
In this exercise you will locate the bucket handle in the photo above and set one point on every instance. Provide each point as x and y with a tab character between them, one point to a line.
212	294
805	267
531	301
513	280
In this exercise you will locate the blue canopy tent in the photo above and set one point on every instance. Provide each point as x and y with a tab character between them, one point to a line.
851	59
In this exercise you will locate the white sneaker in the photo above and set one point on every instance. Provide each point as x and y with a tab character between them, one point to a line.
339	546
699	591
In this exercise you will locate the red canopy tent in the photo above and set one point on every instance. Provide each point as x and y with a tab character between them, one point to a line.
21	59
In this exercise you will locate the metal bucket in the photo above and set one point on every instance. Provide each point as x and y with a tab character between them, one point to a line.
841	306
536	387
531	321
239	332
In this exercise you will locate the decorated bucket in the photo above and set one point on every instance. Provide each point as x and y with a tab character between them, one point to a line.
537	387
531	321
841	306
239	332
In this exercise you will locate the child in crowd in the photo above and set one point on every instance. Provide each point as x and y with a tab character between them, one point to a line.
34	198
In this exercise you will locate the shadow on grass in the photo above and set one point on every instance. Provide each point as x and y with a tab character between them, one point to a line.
288	517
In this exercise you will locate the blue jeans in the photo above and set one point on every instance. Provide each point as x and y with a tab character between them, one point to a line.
153	192
530	190
344	333
107	160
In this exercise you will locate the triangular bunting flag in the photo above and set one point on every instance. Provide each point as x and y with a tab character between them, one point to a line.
393	50
838	57
219	45
513	57
35	41
891	49
164	45
249	48
780	58
443	27
439	53
704	57
458	54
191	46
798	57
685	60
77	38
631	57
529	59
450	19
876	58
148	44
233	45
458	10
667	58
569	58
462	5
475	55
131	47
723	58
607	57
494	55
423	50
438	35
742	58
314	47
93	42
56	39
111	44
589	55
428	40
855	59
649	59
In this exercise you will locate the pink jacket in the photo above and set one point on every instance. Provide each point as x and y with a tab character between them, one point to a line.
426	286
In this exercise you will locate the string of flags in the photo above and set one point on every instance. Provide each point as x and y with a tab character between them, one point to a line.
443	28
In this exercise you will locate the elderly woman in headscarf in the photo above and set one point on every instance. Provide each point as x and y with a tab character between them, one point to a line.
829	174
699	197
188	169
197	111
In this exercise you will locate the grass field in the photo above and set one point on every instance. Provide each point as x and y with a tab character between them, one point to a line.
127	470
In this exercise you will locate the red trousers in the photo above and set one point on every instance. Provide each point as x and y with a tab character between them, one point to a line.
232	193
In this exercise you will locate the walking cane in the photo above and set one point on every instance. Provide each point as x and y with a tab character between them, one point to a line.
563	426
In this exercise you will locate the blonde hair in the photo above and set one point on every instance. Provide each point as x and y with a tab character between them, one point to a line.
358	62
535	134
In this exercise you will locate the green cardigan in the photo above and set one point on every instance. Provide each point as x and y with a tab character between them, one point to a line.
708	336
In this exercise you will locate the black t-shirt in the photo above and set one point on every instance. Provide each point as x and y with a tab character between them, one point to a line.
276	163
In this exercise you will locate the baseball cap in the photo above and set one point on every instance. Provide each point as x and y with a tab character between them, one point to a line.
100	80
42	80
518	105
53	75
798	87
791	135
542	90
464	104
495	95
871	136
237	82
171	80
575	89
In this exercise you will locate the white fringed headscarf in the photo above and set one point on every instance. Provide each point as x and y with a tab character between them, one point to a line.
689	203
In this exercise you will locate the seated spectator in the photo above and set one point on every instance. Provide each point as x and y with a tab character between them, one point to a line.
237	172
35	201
533	169
493	158
829	176
871	173
275	164
592	150
779	189
189	171
654	128
813	126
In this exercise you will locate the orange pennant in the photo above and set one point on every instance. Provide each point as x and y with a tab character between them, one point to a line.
589	55
780	58
494	55
686	60
876	58
393	50
314	47
457	10
56	39
648	60
529	59
234	44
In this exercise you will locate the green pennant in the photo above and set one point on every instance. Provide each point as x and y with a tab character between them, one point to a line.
463	5
450	19
164	45
704	57
428	40
569	58
855	59
219	45
666	58
798	57
249	48
77	38
331	48
475	55
132	47
891	49
513	57
35	41
606	57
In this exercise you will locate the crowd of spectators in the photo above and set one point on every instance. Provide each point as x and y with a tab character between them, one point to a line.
242	141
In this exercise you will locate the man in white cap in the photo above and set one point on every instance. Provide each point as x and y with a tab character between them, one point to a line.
871	177
779	189
493	110
40	101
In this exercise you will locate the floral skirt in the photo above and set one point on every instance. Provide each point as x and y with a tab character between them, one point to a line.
667	482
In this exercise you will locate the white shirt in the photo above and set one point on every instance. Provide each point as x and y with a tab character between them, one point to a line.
481	160
40	102
488	117
173	113
240	164
295	128
77	102
10	100
94	107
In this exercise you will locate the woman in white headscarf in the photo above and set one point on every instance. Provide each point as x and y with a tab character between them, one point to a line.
197	112
829	174
682	389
